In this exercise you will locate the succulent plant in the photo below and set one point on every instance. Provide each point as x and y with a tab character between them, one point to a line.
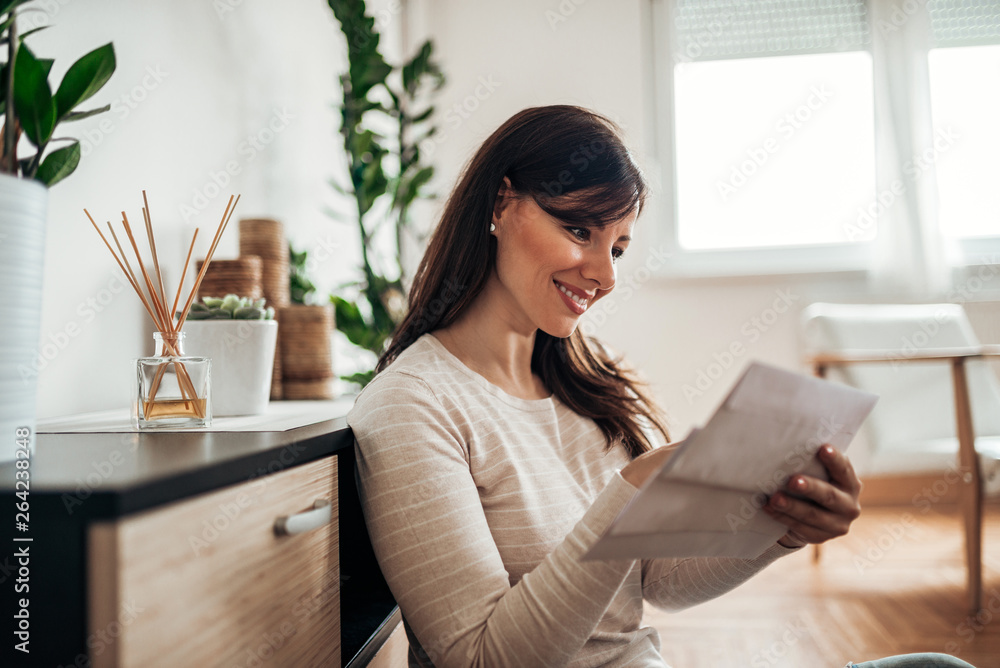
230	307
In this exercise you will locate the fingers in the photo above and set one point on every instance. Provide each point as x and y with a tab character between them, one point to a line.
840	469
813	525
815	509
822	494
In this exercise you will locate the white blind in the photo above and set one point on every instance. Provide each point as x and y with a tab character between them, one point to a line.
723	29
964	22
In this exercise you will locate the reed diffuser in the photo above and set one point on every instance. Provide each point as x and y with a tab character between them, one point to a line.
171	390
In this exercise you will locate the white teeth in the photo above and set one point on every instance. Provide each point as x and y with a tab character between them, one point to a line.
579	300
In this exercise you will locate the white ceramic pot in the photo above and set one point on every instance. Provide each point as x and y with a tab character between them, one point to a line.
23	204
242	353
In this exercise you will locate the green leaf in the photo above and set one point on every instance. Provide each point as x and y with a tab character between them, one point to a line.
33	97
423	116
80	115
84	78
349	320
362	378
59	164
7	5
32	31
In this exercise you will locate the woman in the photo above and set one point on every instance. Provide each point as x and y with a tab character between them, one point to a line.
496	443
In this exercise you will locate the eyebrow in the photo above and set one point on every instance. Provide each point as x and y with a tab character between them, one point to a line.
625	237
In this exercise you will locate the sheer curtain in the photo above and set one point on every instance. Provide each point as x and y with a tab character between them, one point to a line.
910	256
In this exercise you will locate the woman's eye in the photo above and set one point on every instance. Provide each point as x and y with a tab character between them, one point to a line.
581	233
617	253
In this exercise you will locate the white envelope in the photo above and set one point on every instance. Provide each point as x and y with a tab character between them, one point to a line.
706	499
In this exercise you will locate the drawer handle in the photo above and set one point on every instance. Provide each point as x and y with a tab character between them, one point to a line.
290	525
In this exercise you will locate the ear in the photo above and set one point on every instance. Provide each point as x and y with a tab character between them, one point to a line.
504	198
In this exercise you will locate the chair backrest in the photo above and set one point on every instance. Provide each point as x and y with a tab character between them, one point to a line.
917	401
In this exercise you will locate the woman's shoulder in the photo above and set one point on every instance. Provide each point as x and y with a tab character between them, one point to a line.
409	380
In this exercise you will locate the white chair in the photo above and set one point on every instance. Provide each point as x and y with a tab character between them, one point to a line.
936	410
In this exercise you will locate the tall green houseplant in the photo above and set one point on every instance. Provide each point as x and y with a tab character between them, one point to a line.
387	171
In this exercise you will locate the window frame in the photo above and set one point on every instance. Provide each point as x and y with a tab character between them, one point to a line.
849	257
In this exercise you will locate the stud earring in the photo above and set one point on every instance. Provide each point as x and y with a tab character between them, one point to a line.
493	227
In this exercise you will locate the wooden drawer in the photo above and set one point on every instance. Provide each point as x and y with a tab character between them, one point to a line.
207	582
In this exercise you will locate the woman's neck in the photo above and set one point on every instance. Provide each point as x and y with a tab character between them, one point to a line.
488	345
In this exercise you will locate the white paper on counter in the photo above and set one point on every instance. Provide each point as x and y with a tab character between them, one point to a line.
278	416
706	499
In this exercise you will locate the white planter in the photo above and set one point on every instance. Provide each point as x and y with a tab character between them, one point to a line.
242	353
23	204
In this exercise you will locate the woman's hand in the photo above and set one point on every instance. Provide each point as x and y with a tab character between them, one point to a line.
815	510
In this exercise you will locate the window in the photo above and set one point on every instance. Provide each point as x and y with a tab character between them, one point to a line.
964	64
771	144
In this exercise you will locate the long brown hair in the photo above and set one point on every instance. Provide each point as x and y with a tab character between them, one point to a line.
548	153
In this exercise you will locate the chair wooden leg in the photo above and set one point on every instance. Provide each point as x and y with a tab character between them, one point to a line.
971	490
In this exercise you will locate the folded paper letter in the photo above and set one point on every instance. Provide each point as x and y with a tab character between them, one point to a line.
706	500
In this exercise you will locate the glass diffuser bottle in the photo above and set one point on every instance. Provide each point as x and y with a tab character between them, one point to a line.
172	390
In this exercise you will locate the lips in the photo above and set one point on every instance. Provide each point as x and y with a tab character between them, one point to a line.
573	299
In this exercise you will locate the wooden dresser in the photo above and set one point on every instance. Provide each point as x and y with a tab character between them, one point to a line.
222	548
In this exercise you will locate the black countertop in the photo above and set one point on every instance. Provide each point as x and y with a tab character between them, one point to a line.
112	474
76	478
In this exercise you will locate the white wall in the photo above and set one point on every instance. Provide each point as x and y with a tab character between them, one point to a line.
225	74
593	53
195	82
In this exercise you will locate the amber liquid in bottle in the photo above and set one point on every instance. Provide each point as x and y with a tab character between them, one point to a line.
173	390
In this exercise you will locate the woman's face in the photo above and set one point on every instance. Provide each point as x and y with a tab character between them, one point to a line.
551	272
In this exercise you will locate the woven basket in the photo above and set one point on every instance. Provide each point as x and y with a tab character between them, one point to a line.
306	351
265	238
240	277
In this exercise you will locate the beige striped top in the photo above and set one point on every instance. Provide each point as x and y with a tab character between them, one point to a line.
480	504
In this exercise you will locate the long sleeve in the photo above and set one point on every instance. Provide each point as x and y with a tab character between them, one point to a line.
438	551
676	584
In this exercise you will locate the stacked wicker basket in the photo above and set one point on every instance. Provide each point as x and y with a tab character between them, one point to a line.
265	238
303	364
241	276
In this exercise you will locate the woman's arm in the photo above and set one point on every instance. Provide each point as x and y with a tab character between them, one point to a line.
439	557
676	584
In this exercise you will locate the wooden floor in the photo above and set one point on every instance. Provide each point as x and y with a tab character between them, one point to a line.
895	584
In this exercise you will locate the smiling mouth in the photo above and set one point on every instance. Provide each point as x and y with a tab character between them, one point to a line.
576	303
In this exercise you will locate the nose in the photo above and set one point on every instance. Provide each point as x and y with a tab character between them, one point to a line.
599	267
